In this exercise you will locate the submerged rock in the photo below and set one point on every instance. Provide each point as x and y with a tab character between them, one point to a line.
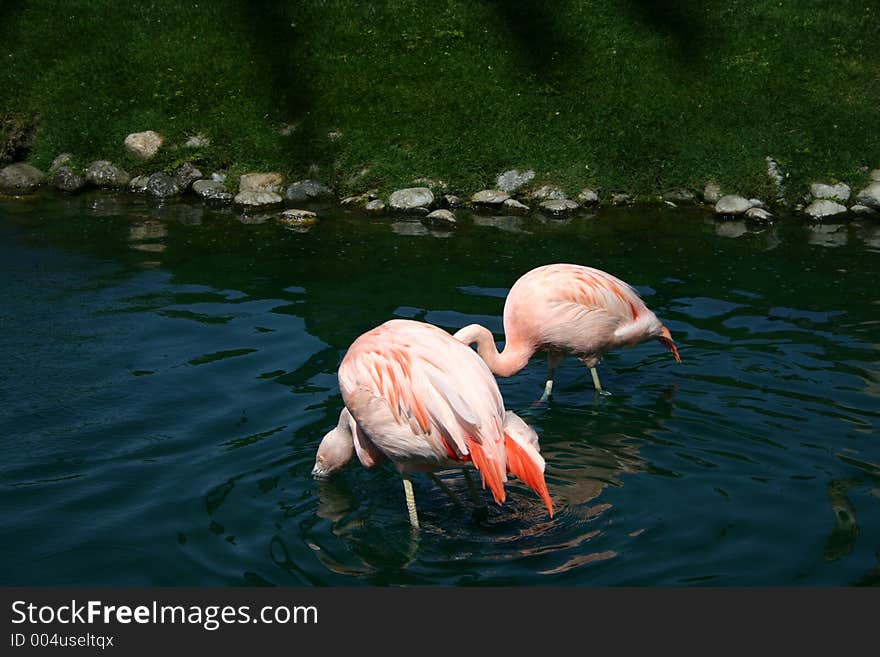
824	208
512	180
103	173
376	205
144	144
732	204
839	192
559	206
161	185
20	178
68	180
758	214
295	217
260	182
440	219
489	197
411	198
306	190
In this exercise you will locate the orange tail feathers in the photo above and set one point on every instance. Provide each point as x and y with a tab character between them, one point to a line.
492	472
523	466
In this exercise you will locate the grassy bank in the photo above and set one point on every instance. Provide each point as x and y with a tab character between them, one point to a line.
621	95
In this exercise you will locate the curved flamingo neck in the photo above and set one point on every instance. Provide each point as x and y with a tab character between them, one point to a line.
511	360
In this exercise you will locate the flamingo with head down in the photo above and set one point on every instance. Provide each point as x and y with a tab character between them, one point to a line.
424	400
567	309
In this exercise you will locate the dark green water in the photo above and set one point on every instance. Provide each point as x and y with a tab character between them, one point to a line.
166	374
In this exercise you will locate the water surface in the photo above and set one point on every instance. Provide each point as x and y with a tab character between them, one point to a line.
166	373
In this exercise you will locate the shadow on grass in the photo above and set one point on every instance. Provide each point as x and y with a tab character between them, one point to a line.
276	30
681	20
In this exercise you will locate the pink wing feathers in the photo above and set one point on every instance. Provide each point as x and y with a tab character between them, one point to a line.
423	399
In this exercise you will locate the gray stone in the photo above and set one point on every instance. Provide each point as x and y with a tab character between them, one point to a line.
185	175
411	198
512	180
680	196
144	144
211	190
295	217
161	185
758	214
732	204
64	159
870	196
548	193
260	182
451	201
68	180
587	196
139	184
559	206
513	204
197	141
440	219
620	199
219	177
756	202
306	190
489	197
824	208
20	178
875	175
712	192
102	173
376	205
858	208
839	192
252	199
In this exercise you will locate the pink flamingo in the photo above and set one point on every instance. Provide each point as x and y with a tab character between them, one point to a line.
416	395
567	309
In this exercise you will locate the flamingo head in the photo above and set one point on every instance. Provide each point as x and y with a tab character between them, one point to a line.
336	448
665	338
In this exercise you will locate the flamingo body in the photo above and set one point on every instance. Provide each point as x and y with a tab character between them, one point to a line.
419	397
567	309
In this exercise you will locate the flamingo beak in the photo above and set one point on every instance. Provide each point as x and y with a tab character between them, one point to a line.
665	338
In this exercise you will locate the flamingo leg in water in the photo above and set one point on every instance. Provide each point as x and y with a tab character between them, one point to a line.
446	489
553	360
410	503
596	383
472	489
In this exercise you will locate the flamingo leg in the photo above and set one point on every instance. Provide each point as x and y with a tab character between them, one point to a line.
553	360
410	503
596	384
472	488
446	489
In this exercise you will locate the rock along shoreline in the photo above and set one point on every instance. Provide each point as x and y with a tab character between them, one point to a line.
514	192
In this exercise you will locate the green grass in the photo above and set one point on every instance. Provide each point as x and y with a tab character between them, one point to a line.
621	95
